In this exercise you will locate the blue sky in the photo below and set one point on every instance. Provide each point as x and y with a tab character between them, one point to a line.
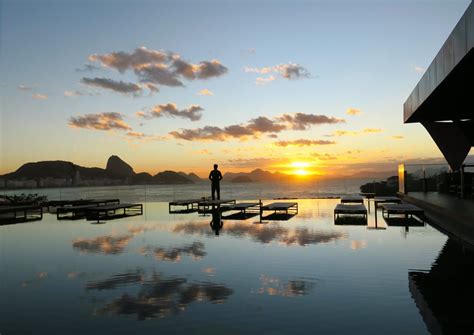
361	55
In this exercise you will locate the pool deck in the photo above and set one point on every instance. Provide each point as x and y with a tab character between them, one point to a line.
446	212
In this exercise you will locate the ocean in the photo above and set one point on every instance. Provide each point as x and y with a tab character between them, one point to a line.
238	191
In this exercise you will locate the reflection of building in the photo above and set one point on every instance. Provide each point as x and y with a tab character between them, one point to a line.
445	294
442	101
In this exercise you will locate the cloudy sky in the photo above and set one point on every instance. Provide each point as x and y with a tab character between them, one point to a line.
180	85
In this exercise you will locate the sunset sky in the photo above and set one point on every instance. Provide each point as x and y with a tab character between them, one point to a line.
315	87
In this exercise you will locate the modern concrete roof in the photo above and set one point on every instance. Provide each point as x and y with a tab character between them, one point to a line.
447	86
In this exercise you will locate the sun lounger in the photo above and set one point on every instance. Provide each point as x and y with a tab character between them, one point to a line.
386	200
191	205
73	212
286	207
352	199
343	209
207	205
108	212
408	210
16	213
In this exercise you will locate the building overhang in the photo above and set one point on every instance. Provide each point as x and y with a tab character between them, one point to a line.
443	100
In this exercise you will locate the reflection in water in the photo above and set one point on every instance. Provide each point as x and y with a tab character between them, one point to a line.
291	288
103	244
216	223
158	296
195	250
266	233
115	281
444	295
358	244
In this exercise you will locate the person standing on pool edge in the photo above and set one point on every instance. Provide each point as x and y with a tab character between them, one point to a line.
215	177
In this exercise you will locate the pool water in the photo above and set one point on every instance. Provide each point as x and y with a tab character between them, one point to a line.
170	273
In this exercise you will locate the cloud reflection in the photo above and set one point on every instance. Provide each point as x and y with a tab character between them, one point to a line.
160	297
102	244
173	254
292	288
265	233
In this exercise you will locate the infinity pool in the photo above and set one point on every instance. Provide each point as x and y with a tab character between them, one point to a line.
170	273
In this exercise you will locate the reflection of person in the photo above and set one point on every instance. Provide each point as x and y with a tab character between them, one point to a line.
216	223
215	177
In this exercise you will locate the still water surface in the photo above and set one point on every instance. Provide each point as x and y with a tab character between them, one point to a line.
170	273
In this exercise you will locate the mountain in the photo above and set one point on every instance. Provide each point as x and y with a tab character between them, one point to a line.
242	179
171	177
116	167
258	175
192	176
67	174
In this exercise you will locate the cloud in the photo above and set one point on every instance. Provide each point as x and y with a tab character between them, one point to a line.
88	68
419	69
100	121
398	137
301	121
264	80
159	67
39	96
76	93
116	86
354	133
372	130
288	71
302	142
353	111
24	87
255	127
323	157
193	112
205	91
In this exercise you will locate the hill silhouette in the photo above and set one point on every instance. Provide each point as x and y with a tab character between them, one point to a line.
64	174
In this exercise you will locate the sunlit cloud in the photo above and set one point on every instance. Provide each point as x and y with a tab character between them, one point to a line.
323	157
255	127
205	91
419	69
264	80
39	96
302	143
353	111
372	130
193	112
288	71
100	121
353	132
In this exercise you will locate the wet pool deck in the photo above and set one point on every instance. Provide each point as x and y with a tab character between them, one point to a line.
451	214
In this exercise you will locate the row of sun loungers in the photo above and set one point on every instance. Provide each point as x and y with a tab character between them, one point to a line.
353	206
20	213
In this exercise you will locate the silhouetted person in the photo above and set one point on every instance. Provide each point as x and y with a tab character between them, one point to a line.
216	223
215	177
